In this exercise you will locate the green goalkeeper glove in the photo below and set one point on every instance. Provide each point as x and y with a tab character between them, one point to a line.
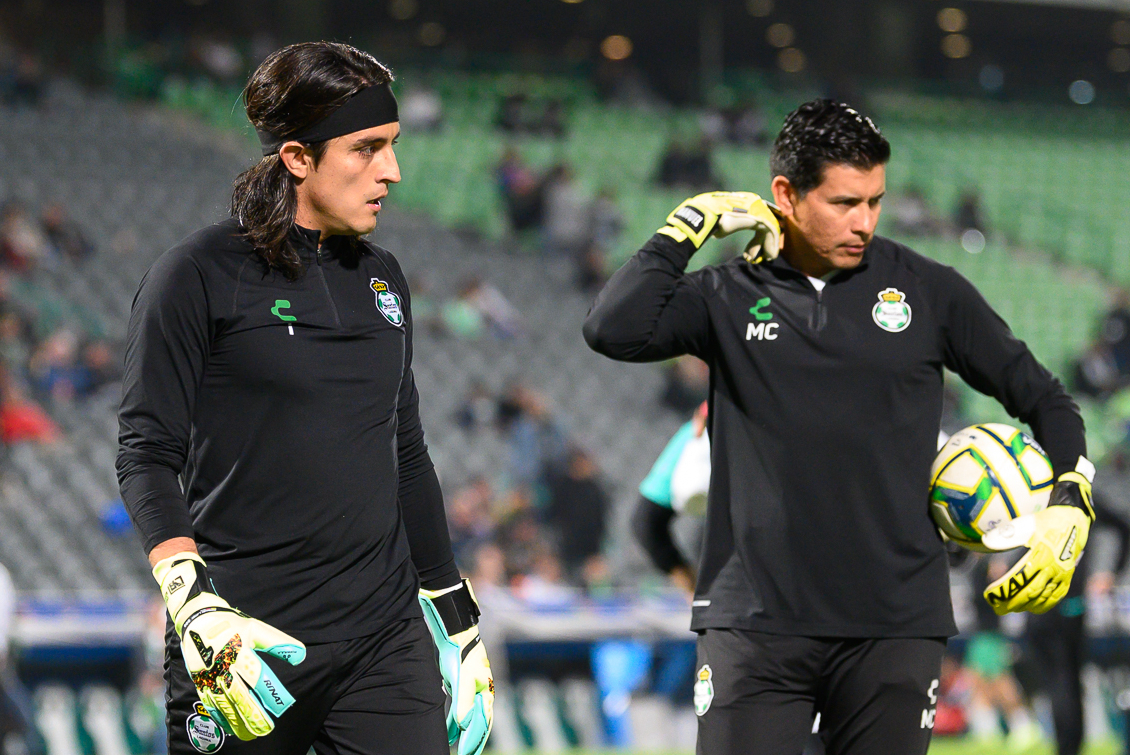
723	212
1055	538
219	643
452	616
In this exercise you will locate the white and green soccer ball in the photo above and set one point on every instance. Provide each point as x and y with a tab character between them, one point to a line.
986	475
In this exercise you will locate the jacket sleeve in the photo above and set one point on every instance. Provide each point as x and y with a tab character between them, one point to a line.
167	345
650	309
419	492
981	348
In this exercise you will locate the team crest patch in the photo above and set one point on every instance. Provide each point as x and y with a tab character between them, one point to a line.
703	690
203	732
892	313
387	302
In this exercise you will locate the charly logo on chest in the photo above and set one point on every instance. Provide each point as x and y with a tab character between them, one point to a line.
763	330
892	313
388	303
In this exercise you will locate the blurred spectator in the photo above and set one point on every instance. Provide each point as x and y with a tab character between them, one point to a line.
489	572
712	124
477	408
1095	373
607	219
494	308
521	114
748	126
519	535
22	242
461	316
552	122
101	365
989	657
512	113
954	692
21	419
621	82
15	339
568	222
687	384
27	83
687	167
1114	331
421	108
65	235
1057	638
218	57
536	440
1105	366
521	190
543	585
55	368
470	518
591	275
578	505
968	215
911	215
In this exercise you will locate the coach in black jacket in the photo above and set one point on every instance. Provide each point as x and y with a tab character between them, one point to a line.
823	583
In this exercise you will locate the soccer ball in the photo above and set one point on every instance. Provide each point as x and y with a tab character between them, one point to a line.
986	475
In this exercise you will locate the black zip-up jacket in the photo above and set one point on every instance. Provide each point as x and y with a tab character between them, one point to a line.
276	422
824	414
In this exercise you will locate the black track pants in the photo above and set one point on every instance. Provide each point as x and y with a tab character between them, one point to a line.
757	694
375	695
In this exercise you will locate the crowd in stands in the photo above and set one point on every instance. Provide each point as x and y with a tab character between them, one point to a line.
554	206
1103	370
686	164
538	525
521	114
42	359
477	308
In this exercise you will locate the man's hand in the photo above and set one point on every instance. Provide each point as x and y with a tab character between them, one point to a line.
452	616
683	578
219	645
1055	538
723	212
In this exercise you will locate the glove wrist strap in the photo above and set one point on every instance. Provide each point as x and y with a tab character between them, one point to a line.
457	608
182	577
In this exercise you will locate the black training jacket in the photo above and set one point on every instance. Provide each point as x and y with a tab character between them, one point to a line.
276	422
824	414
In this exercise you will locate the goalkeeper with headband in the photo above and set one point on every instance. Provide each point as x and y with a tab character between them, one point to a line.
272	456
823	586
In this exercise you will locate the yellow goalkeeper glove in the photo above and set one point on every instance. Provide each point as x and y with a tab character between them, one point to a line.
1055	538
219	645
452	616
724	212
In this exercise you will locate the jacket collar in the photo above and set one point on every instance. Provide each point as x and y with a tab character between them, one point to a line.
306	242
781	268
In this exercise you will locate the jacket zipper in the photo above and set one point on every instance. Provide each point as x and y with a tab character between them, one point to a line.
819	314
326	286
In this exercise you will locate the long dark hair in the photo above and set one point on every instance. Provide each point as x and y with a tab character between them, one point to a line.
293	88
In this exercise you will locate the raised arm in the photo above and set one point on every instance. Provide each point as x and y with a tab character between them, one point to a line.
650	310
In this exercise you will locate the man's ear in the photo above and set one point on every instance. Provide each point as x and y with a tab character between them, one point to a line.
296	159
784	195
